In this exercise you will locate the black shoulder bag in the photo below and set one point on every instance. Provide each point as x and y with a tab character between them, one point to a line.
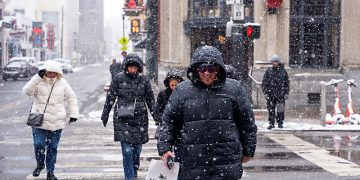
127	111
35	119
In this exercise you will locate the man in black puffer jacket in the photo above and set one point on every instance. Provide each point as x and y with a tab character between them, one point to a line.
213	118
276	88
130	88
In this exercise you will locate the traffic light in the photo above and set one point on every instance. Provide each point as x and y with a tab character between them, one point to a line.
135	26
251	30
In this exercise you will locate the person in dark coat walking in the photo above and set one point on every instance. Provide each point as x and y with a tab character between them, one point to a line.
130	88
115	68
213	118
172	79
276	87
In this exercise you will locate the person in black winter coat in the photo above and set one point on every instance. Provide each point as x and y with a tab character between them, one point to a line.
213	118
115	68
130	88
276	87
172	79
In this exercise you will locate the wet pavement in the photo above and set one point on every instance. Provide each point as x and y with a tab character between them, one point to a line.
342	144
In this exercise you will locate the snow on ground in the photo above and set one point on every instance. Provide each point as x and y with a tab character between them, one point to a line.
76	69
307	126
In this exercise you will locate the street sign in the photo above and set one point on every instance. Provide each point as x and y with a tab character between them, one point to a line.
229	2
239	1
238	12
123	41
124	48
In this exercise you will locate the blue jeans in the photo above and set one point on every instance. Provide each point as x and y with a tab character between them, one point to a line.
131	159
49	140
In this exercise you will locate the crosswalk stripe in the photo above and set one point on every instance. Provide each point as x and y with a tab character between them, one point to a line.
317	155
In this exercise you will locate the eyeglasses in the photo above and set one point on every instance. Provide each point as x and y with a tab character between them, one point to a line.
206	67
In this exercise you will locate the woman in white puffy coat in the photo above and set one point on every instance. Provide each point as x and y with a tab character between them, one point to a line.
48	135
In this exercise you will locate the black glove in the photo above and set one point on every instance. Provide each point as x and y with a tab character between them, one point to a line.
42	72
104	122
72	120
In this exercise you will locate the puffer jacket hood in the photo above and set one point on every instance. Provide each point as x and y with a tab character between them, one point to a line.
133	59
173	73
54	66
210	55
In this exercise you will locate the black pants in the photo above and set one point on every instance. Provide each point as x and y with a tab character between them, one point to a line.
276	108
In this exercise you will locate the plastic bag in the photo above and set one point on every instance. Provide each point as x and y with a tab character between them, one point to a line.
159	171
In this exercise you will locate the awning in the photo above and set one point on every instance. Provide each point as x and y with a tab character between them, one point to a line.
141	44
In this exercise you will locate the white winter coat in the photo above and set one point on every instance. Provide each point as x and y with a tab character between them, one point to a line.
55	114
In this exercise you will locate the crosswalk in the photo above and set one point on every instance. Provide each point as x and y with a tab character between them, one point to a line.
87	151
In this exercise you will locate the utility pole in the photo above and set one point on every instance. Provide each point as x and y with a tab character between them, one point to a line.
62	32
123	21
152	45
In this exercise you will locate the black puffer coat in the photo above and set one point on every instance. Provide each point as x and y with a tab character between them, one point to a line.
215	124
276	82
125	88
115	69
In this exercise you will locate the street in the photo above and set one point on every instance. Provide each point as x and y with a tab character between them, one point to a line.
87	149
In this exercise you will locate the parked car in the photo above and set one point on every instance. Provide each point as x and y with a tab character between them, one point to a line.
31	60
66	65
69	66
40	65
18	68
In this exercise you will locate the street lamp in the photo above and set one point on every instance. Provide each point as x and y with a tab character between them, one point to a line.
123	21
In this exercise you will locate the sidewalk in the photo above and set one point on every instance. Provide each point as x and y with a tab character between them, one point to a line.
301	124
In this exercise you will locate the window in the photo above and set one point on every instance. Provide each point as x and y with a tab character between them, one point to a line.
20	11
208	8
314	33
92	4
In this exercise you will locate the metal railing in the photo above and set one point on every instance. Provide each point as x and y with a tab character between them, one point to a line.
257	85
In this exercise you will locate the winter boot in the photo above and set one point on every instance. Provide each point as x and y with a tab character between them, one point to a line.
280	126
271	126
38	169
51	176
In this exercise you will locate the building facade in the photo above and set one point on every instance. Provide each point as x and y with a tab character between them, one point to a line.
91	31
317	41
4	33
60	22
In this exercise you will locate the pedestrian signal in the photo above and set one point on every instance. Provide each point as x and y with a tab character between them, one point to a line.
135	26
251	30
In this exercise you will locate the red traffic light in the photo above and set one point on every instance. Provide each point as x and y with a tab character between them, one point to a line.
251	30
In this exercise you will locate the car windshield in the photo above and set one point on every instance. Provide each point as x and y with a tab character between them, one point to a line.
17	62
59	61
